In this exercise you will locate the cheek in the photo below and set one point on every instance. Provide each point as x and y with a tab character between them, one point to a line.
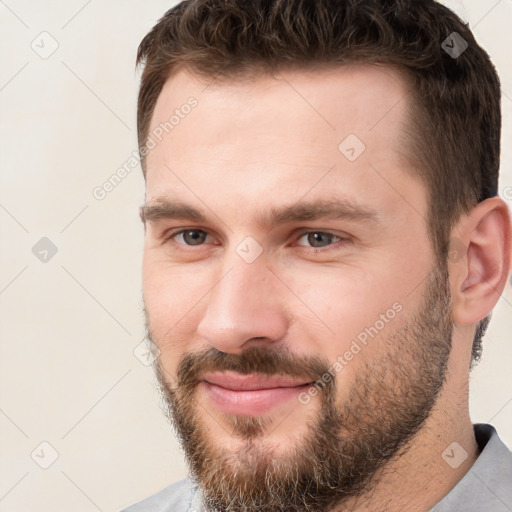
172	298
346	306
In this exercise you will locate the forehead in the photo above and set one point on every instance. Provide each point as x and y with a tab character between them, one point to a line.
283	136
348	96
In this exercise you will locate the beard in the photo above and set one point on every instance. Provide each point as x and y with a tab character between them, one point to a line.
348	441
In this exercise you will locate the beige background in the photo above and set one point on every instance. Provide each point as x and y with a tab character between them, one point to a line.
69	326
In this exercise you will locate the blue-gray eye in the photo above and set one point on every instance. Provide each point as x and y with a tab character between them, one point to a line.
192	236
319	239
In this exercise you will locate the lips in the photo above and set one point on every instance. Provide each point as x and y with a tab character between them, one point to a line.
250	395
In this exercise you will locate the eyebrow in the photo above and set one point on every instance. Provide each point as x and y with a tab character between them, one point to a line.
336	209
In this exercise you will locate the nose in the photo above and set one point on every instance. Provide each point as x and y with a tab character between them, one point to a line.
244	309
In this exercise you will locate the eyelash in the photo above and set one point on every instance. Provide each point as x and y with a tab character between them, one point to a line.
171	236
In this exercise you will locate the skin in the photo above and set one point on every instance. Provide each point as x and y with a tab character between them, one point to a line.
269	142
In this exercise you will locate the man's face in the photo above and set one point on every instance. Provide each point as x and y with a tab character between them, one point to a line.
309	262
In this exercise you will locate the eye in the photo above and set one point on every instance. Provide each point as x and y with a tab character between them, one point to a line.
190	236
318	239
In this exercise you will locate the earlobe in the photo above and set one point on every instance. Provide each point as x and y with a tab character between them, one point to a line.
481	273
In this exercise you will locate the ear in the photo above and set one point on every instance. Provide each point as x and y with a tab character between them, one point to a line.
480	260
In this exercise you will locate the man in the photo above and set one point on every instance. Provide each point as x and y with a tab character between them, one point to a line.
324	248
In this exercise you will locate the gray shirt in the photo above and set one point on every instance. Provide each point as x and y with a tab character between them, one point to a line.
486	487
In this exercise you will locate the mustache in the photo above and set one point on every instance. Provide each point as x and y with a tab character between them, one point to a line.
254	360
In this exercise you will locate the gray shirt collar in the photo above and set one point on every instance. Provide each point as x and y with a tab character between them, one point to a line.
487	486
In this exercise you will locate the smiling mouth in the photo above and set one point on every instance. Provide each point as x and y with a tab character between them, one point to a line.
250	395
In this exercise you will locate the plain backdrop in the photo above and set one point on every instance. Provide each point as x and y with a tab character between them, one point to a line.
81	427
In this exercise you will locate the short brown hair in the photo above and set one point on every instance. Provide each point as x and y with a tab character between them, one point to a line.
455	123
